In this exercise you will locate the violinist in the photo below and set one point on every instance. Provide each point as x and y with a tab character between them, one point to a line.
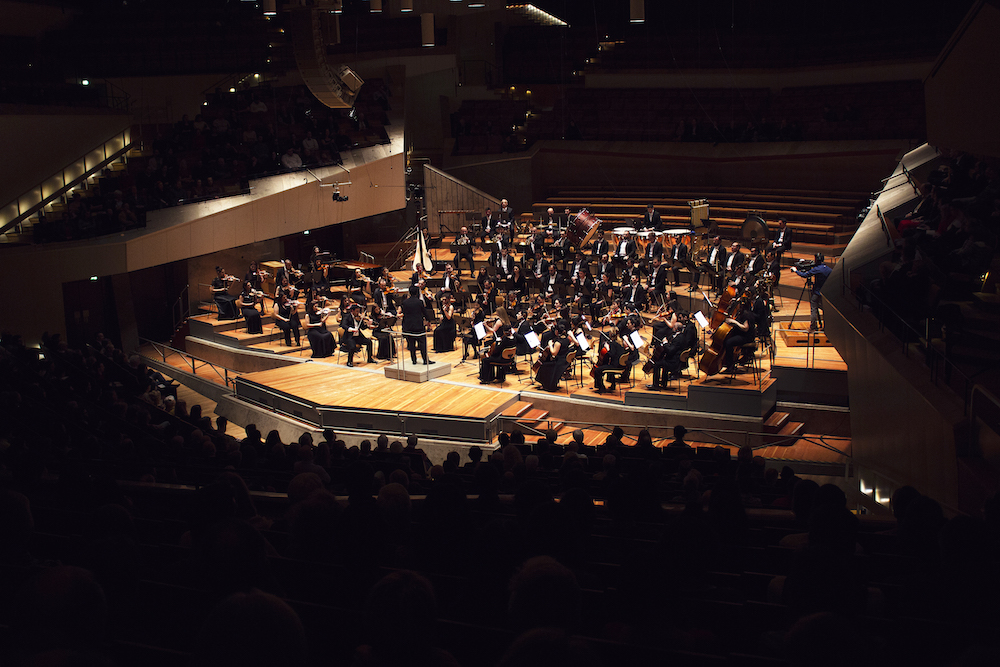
488	297
447	284
247	303
518	284
553	362
469	339
286	317
493	365
357	284
386	281
444	333
224	302
419	274
288	271
286	288
320	281
385	305
255	276
463	250
320	340
353	324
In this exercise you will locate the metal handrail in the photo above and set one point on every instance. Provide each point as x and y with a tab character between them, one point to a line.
179	312
164	351
887	315
718	435
45	200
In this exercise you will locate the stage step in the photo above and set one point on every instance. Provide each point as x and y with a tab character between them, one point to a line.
277	346
518	409
791	428
776	422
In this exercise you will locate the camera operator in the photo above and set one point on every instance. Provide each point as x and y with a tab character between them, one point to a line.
815	273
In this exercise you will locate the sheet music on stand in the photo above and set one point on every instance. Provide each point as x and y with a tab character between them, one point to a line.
636	339
532	339
480	329
582	342
701	319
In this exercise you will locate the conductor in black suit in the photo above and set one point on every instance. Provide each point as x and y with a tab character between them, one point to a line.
413	325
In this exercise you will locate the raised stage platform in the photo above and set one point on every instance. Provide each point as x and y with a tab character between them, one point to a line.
327	395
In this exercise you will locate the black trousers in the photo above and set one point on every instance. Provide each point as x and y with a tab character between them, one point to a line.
416	342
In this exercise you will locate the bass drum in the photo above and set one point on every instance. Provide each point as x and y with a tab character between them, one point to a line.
583	228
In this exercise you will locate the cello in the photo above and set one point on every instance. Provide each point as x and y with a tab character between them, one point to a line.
711	360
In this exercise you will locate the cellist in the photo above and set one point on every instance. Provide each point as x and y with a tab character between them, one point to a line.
743	328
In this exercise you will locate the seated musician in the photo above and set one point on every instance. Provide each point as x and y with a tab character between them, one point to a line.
579	263
553	364
583	286
734	261
426	299
285	288
552	281
254	276
225	304
505	264
600	247
744	327
656	283
756	264
445	331
320	339
352	324
518	284
608	365
385	312
681	335
654	249
469	339
677	259
447	284
535	247
357	284
492	367
561	248
716	263
632	268
320	280
463	250
634	295
550	221
288	271
418	274
488	297
625	249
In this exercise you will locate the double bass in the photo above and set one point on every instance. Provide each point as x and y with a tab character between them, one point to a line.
711	360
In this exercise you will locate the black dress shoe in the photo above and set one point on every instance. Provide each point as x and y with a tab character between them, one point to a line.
654	387
350	364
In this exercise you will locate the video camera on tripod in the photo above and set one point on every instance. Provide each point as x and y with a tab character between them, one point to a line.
804	265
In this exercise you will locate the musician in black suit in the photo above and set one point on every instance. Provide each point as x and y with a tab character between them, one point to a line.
463	250
561	248
651	219
550	221
413	325
782	243
488	297
625	249
654	250
634	294
566	218
505	264
605	267
756	262
682	336
677	258
352	324
580	263
552	281
535	246
489	224
600	246
716	263
656	285
734	261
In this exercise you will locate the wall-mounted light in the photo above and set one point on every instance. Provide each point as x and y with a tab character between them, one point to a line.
427	29
376	6
637	11
93	279
270	7
405	6
85	82
305	233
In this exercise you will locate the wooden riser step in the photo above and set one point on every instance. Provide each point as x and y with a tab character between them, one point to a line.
776	422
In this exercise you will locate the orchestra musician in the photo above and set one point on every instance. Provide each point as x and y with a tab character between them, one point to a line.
320	340
609	362
583	288
625	249
492	366
488	297
600	246
445	331
536	245
634	294
469	339
734	261
247	303
656	281
225	303
743	324
678	260
560	248
606	267
653	250
285	288
286	317
463	250
287	270
782	243
353	325
580	263
447	284
550	222
384	310
505	215
552	281
418	275
320	281
256	278
566	218
554	364
651	219
518	284
756	263
714	264
505	264
359	281
489	224
387	282
414	330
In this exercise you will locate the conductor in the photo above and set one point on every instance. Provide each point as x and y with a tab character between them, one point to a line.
413	325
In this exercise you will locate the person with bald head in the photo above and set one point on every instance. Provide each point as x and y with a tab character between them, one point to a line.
463	250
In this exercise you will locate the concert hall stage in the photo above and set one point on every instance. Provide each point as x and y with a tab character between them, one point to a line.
327	395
